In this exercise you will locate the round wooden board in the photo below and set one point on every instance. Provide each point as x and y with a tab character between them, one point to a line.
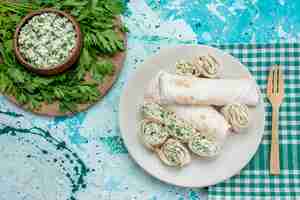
52	110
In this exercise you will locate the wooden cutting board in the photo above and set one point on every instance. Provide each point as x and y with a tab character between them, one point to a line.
103	87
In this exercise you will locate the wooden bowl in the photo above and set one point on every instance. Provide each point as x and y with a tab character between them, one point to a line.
73	55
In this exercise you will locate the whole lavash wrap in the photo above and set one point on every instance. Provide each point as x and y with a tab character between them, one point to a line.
152	92
212	126
205	119
168	88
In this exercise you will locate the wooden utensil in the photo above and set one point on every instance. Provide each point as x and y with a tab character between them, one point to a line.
275	93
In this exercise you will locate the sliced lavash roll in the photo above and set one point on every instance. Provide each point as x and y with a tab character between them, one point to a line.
178	128
185	68
237	115
153	134
174	153
153	111
181	129
186	90
207	66
205	145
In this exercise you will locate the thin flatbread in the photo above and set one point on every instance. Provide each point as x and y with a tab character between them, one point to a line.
205	118
175	89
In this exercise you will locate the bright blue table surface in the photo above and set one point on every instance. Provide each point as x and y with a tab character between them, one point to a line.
94	135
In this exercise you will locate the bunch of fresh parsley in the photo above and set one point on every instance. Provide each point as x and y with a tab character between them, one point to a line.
101	29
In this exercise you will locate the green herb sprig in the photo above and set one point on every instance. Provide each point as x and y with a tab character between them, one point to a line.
101	37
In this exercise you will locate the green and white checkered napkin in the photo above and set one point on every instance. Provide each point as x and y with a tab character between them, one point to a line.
254	181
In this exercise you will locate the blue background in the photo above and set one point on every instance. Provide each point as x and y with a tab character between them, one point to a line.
156	24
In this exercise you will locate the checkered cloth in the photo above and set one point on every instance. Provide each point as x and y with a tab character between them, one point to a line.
255	182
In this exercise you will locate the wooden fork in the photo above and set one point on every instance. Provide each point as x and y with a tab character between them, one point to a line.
275	93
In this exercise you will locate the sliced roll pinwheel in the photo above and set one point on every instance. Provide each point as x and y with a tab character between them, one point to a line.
154	111
180	129
153	134
174	153
208	66
204	146
237	115
187	69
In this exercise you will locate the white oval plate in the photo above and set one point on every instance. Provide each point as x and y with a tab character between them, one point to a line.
238	149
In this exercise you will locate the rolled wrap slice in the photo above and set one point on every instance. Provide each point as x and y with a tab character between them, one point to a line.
178	128
208	66
153	134
199	91
173	153
237	115
154	111
204	145
187	69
